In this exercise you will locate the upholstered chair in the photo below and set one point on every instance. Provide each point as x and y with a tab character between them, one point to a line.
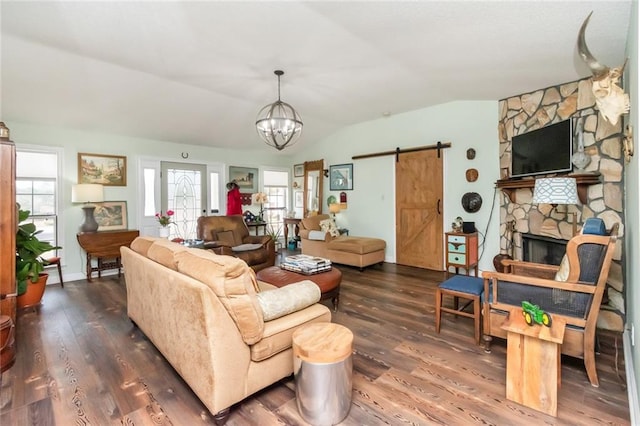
229	235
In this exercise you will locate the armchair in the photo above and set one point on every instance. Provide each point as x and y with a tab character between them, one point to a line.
229	235
576	299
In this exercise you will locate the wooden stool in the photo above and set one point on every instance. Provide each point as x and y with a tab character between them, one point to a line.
322	367
56	261
470	288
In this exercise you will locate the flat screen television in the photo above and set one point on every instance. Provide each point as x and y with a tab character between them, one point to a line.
545	150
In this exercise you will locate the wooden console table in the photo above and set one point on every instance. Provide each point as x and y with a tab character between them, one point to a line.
257	226
583	181
105	247
296	225
533	362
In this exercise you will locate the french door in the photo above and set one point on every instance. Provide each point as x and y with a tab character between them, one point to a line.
189	190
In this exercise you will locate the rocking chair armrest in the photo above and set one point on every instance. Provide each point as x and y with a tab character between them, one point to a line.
497	277
540	270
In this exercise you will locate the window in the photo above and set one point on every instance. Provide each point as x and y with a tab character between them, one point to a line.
276	186
37	190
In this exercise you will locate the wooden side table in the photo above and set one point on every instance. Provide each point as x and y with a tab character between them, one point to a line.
105	247
296	227
257	226
462	251
533	362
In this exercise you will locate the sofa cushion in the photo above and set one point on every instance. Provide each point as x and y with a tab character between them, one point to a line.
162	251
313	222
278	333
285	300
246	247
141	244
357	245
232	281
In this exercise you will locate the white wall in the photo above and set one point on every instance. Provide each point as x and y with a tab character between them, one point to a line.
74	141
632	201
371	204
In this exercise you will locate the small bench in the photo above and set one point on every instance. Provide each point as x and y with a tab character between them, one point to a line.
461	286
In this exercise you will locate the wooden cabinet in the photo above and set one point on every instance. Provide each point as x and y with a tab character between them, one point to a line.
105	248
8	223
462	251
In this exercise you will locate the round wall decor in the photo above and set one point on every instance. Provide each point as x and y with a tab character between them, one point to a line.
471	154
471	202
472	175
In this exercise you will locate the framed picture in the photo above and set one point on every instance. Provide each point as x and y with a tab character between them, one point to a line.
298	170
109	170
111	215
297	199
245	177
341	177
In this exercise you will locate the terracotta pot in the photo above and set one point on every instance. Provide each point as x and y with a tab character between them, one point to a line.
33	295
497	261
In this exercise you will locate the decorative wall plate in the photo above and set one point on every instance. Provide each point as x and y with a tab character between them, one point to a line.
471	154
472	175
471	202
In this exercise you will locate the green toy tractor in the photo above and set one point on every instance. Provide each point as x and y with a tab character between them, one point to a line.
533	314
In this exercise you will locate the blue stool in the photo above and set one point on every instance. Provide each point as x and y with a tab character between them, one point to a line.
470	288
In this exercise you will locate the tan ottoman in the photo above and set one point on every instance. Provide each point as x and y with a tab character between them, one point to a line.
356	251
329	281
322	367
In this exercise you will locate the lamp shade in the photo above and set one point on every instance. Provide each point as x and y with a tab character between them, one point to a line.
334	208
87	193
561	190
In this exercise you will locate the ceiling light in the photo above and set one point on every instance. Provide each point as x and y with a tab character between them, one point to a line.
278	124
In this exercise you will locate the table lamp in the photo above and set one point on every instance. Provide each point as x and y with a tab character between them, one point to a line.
88	193
554	191
334	208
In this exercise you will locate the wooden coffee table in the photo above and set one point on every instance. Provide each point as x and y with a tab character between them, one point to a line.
329	281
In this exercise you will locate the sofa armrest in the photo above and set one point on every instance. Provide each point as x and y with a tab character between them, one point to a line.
304	234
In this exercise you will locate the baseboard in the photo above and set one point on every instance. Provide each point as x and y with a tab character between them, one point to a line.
632	386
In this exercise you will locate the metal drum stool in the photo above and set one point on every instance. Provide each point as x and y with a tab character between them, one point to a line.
322	365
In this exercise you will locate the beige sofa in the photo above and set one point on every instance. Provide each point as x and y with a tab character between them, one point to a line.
347	250
201	311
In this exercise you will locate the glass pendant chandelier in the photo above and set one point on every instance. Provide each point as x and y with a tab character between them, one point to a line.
278	124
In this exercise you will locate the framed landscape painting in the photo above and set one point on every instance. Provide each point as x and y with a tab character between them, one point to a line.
111	215
109	170
341	177
245	177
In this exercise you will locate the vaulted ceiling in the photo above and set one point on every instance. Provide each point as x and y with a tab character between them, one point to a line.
198	72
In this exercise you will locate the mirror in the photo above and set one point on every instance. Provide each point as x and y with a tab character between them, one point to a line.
312	187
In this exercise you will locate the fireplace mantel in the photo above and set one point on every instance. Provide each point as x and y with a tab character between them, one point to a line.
509	186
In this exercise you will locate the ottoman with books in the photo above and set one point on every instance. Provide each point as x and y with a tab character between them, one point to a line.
328	280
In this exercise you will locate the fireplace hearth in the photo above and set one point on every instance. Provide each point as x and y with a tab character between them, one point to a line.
540	249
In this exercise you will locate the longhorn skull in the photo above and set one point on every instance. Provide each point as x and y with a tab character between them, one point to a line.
610	98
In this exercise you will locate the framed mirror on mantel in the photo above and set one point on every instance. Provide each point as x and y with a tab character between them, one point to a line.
313	177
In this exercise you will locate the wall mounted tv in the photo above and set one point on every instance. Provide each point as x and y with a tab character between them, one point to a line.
545	150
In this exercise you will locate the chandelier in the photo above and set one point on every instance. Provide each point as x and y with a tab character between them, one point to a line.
278	124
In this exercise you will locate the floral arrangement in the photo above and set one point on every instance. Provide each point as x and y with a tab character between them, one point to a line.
165	220
260	198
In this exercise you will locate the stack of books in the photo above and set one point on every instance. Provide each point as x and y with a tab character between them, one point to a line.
305	264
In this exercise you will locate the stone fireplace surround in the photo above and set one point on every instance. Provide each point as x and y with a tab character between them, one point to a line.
522	113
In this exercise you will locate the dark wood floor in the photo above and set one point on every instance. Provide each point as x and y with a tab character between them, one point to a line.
82	362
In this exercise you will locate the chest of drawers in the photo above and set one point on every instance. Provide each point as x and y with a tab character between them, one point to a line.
462	251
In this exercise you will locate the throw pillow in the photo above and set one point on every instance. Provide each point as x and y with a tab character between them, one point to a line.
225	237
288	299
563	272
246	247
328	225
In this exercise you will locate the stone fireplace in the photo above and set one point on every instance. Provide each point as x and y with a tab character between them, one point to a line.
539	249
604	191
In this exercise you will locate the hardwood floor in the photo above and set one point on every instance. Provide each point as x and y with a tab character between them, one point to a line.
81	361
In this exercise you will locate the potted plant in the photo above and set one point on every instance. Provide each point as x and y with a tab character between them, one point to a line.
275	234
30	279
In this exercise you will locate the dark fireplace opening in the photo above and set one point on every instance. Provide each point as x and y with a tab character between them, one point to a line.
539	249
